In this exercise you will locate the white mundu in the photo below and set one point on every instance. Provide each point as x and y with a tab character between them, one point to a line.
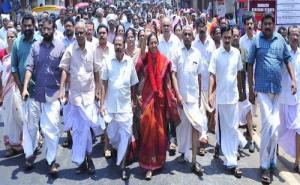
121	76
225	66
289	109
187	65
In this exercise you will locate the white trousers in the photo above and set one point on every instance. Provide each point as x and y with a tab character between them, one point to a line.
80	119
289	127
227	133
32	112
119	132
269	108
49	117
184	129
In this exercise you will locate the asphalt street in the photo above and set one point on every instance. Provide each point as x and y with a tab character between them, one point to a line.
173	173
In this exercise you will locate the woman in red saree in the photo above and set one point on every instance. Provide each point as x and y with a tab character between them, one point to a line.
158	104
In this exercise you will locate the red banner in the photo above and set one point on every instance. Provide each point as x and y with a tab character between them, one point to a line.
261	6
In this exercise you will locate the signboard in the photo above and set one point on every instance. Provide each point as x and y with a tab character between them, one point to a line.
261	6
288	12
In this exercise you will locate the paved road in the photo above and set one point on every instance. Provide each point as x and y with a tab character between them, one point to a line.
11	170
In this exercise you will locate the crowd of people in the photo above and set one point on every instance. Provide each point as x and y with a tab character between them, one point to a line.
147	84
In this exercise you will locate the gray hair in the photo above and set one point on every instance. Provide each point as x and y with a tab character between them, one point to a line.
14	31
81	22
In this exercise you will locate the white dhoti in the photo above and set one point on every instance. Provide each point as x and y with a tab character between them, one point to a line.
119	131
31	112
80	119
12	117
50	119
289	127
191	117
227	133
269	108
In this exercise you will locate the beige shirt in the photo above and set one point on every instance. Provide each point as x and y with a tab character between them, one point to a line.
102	54
81	65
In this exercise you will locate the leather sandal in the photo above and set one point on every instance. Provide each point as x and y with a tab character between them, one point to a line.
197	169
148	175
265	177
237	172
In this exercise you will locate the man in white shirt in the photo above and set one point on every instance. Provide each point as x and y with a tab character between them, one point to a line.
168	42
206	46
60	22
83	70
224	67
289	129
90	31
186	78
100	18
104	51
119	76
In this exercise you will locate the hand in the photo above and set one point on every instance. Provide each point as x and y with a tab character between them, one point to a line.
98	95
102	110
62	96
25	94
252	97
179	101
293	87
242	96
211	100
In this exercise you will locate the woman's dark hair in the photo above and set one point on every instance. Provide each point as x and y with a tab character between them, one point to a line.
138	35
117	28
130	30
176	25
151	35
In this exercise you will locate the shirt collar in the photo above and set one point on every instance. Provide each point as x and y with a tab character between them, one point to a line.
274	36
53	42
35	37
292	51
124	59
78	48
224	50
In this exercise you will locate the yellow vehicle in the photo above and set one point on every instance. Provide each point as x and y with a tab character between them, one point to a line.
49	8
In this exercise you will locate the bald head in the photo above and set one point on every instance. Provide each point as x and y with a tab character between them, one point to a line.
166	24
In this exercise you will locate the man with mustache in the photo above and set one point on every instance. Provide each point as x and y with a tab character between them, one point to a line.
206	46
43	63
245	106
103	52
20	52
79	64
119	76
224	68
289	129
269	52
168	42
69	32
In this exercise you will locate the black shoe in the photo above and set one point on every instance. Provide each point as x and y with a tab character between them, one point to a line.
148	175
252	147
236	172
29	163
90	165
80	169
53	168
197	169
124	175
67	144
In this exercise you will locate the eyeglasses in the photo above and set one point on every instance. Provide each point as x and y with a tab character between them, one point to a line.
79	33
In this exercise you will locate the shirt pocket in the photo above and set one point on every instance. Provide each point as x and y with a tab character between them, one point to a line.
88	65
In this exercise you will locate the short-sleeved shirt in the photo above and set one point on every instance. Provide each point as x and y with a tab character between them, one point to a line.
188	65
121	75
81	65
43	62
225	65
268	56
206	49
286	96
